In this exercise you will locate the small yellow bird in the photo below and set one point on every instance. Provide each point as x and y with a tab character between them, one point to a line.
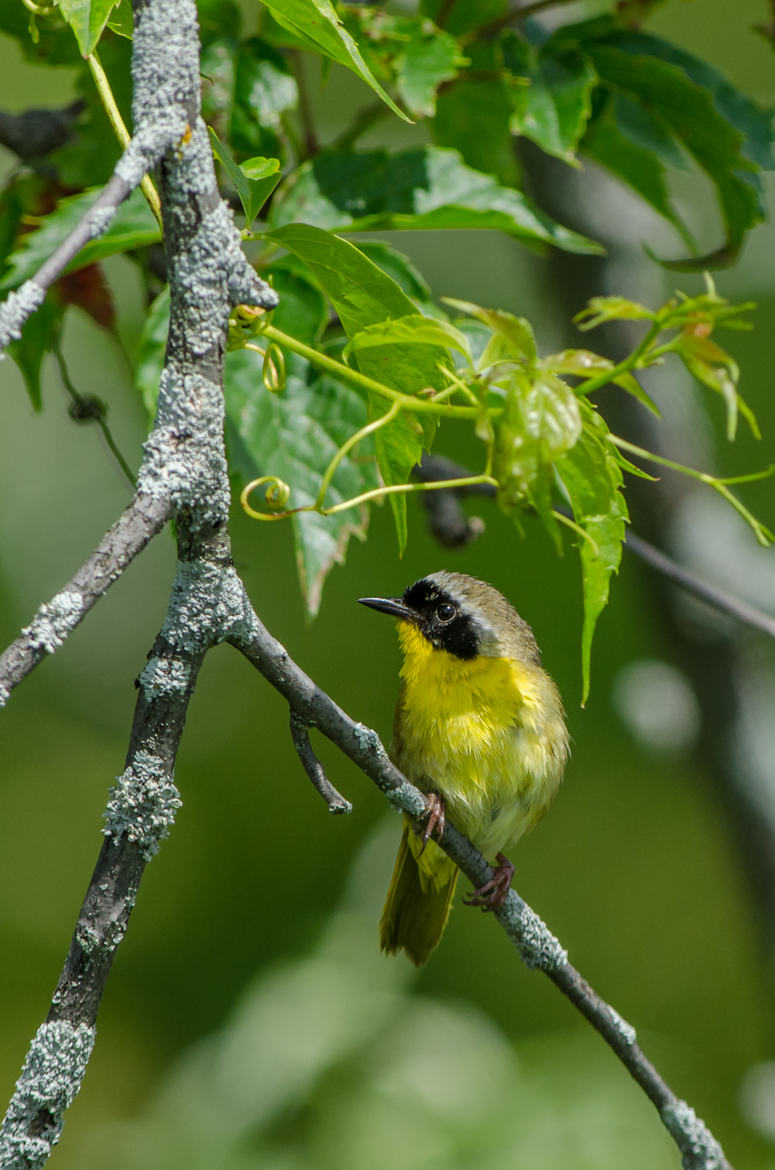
479	728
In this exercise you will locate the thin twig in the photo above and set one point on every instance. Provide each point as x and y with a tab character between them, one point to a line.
314	769
141	520
535	943
89	409
452	528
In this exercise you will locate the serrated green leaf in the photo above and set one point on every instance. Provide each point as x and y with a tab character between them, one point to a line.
294	435
463	110
38	335
592	478
363	295
553	110
513	338
87	19
429	59
419	189
584	364
411	330
149	361
726	147
401	269
133	226
120	20
317	24
541	420
254	180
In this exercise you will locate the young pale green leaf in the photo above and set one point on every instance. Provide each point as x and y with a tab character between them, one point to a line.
38	335
541	420
254	180
419	189
133	226
362	295
120	20
413	330
600	309
592	478
316	24
87	19
294	435
585	364
554	108
513	338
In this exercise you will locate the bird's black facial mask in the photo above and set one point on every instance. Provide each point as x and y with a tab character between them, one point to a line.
441	619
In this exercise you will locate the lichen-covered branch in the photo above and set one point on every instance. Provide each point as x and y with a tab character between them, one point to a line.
183	474
57	618
532	938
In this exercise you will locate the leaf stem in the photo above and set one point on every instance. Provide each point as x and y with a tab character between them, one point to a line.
119	127
370	385
631	362
762	534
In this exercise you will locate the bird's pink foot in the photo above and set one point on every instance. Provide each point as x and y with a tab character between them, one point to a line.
434	818
492	894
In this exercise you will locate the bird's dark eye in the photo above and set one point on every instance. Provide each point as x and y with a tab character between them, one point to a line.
445	612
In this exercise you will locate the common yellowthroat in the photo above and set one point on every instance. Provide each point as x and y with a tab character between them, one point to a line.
479	727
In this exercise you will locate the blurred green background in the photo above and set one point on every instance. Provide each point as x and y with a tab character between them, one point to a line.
250	1020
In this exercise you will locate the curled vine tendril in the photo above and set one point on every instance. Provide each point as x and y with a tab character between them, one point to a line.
276	496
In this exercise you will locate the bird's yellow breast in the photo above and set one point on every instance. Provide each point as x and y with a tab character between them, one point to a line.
486	733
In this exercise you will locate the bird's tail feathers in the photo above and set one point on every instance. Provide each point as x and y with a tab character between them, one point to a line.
419	899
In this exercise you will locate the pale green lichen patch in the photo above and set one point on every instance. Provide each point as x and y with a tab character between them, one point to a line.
164	677
18	306
537	945
50	1080
143	804
699	1148
54	621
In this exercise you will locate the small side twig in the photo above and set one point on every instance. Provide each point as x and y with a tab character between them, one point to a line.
145	516
314	769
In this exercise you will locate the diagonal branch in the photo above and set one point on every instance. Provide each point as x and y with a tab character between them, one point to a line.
57	618
536	944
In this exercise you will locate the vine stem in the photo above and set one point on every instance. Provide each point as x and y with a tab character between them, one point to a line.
119	127
364	382
762	534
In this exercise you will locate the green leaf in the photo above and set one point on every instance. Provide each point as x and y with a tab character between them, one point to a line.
317	25
592	478
87	19
600	309
463	18
585	364
720	129
133	226
513	338
38	335
363	295
400	268
302	310
419	189
294	435
254	180
553	110
429	59
472	117
262	88
120	20
611	144
540	422
149	361
412	330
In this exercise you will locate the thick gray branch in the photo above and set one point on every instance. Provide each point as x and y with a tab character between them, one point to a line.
48	629
532	938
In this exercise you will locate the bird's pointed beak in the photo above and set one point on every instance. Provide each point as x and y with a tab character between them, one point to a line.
392	605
